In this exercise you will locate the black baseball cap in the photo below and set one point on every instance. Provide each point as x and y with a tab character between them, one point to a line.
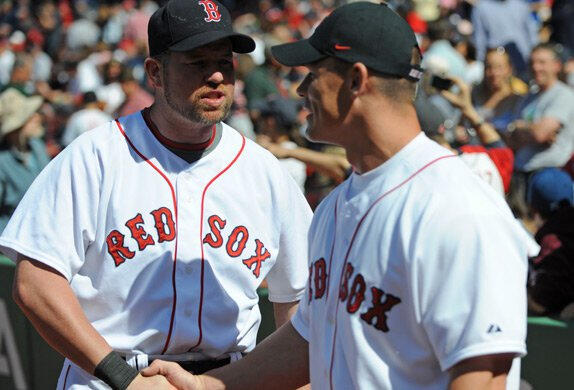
182	25
358	32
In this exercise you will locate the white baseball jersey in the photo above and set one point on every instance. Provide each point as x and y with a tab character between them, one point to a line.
165	256
414	266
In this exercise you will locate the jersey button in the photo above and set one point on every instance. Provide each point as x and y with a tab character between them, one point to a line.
188	269
188	312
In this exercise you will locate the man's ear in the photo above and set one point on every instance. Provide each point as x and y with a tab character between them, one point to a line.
153	71
358	75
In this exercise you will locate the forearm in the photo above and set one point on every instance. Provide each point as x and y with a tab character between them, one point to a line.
281	360
283	312
478	381
486	132
47	300
488	372
331	165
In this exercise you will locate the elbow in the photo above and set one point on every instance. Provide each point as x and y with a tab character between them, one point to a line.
21	295
541	137
25	290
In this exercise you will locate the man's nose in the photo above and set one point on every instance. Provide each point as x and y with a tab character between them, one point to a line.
302	88
215	77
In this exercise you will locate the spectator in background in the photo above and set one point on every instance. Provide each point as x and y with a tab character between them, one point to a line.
258	83
7	56
441	55
136	99
506	23
22	152
111	92
544	136
21	75
82	33
498	96
550	197
89	117
276	121
42	63
491	159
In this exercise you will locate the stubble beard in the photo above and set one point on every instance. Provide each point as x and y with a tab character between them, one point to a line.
193	113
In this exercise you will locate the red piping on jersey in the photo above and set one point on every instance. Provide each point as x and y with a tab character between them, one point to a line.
351	245
331	256
173	144
176	235
66	377
201	236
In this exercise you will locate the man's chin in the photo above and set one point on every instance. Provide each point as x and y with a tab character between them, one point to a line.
212	117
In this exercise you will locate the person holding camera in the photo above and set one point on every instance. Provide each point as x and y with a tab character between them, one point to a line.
492	159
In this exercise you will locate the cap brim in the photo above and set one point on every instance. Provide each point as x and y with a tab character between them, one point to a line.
240	43
296	53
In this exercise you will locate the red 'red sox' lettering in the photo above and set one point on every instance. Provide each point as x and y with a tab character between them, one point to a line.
159	215
138	233
239	231
116	248
318	279
352	293
379	309
236	243
164	225
214	239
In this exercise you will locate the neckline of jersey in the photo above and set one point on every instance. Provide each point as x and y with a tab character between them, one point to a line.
146	114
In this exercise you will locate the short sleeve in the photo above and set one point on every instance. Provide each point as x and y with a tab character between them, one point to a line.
300	320
288	276
55	221
560	108
470	286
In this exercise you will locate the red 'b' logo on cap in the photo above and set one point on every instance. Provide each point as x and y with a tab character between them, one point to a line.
211	10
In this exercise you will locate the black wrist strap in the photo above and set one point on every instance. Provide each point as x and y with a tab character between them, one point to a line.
115	371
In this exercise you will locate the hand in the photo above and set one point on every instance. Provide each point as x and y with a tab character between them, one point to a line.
518	124
151	382
276	149
461	100
176	375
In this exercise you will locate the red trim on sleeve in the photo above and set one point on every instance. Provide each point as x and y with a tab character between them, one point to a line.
351	245
172	144
176	236
503	159
201	236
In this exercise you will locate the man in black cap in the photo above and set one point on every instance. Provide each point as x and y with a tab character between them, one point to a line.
148	237
417	268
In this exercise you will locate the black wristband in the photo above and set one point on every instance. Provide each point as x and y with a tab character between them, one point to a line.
115	371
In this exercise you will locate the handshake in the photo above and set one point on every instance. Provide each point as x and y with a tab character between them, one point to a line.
169	375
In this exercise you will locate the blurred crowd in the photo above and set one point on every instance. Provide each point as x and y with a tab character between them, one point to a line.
498	90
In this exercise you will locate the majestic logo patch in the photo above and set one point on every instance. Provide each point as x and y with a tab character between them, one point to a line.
493	328
211	9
